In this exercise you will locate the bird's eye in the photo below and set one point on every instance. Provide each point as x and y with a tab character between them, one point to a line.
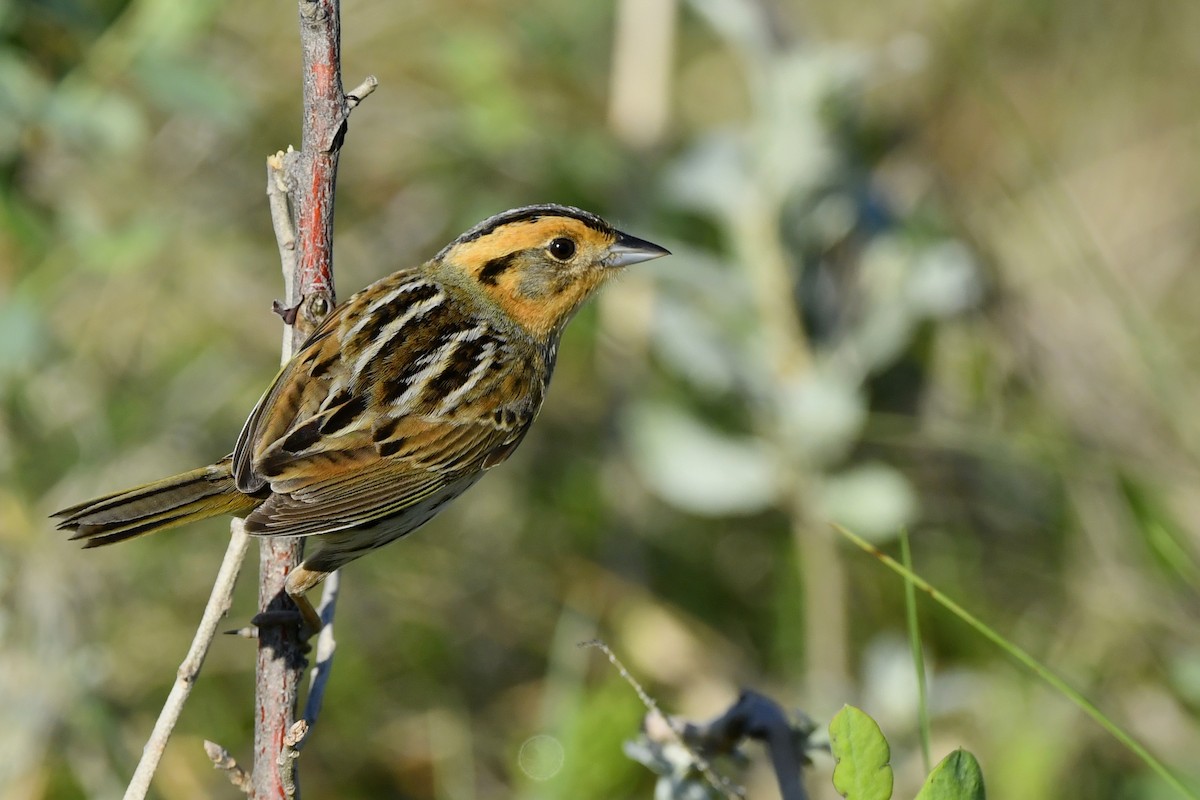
562	248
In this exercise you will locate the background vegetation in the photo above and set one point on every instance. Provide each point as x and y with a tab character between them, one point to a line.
933	269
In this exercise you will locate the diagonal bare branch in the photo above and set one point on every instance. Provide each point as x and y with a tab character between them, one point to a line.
218	605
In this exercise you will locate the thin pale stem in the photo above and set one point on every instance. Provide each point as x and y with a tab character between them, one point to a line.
326	646
300	186
218	605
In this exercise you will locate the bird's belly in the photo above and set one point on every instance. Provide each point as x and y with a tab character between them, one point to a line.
341	547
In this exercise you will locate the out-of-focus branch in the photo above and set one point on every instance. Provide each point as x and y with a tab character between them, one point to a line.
753	716
643	46
301	190
674	730
218	604
758	717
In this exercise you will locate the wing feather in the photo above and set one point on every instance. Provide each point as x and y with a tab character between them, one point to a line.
287	399
344	442
372	487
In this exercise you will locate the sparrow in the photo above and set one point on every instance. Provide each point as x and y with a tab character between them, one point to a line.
398	402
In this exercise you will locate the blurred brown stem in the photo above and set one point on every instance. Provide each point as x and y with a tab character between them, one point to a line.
758	243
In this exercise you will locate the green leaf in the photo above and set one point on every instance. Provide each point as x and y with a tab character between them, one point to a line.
878	499
700	469
862	754
1039	669
957	777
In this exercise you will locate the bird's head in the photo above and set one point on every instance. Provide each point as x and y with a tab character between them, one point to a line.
539	263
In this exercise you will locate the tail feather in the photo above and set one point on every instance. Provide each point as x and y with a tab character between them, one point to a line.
157	506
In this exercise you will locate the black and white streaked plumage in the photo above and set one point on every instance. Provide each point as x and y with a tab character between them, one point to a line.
402	398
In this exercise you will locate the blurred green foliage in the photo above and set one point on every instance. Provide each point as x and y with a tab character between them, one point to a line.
932	269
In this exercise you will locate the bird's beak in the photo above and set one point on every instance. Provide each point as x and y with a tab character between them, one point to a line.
632	250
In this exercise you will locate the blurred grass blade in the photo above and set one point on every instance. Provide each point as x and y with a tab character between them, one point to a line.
957	777
1025	658
918	656
862	754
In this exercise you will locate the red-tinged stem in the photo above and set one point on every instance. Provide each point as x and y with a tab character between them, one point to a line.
279	670
311	175
325	115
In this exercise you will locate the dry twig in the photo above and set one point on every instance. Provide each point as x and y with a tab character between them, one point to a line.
753	716
218	605
286	760
227	764
677	732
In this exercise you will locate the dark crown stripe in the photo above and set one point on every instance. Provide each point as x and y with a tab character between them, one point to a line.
528	213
